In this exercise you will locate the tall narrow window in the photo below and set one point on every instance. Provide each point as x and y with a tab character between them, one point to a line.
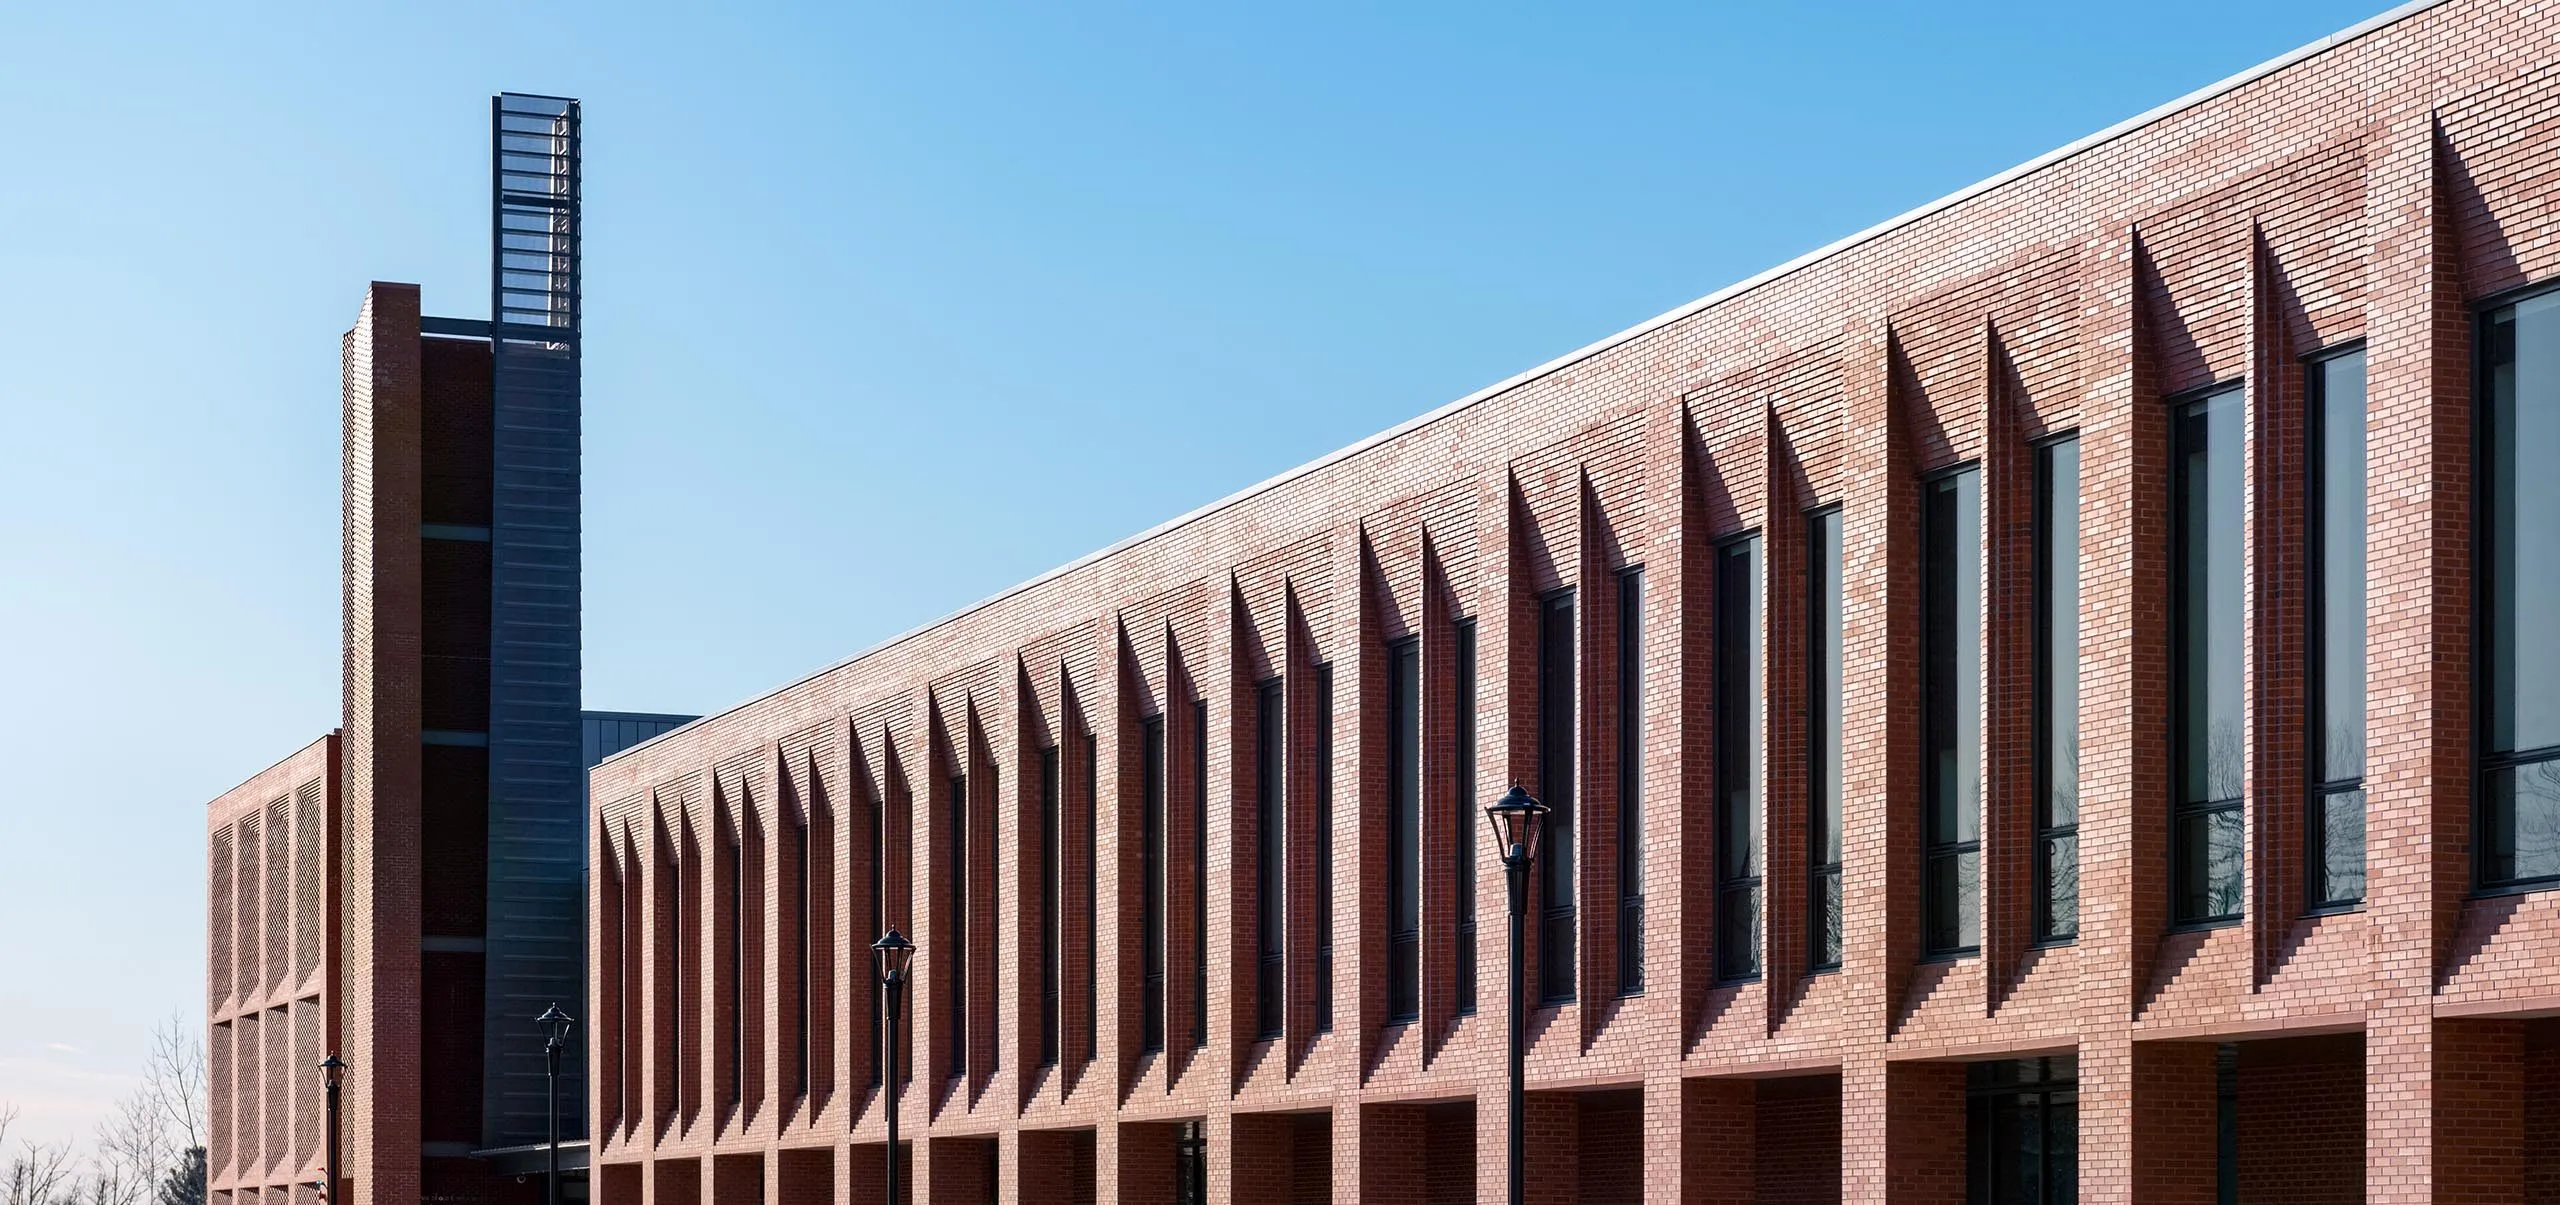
1467	820
2336	731
1324	848
1404	830
2058	690
1556	920
2205	621
1092	895
959	943
2519	594
804	878
1151	883
879	887
1951	665
1270	760
1051	935
737	967
1631	781
1824	761
1200	873
1738	692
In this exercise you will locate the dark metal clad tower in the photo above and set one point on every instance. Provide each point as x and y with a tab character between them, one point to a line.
537	847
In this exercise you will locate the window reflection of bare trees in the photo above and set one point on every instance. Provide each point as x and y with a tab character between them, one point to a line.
2536	808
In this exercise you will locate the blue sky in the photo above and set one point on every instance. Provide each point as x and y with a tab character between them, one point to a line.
888	307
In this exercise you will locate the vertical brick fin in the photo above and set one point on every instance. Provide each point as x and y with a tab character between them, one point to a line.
1078	929
1299	942
2274	790
1186	877
1360	782
1882	542
1022	733
857	984
1239	966
1691	723
1442	798
989	781
1595	811
384	484
2124	612
1123	851
2009	688
1785	894
609	960
931	996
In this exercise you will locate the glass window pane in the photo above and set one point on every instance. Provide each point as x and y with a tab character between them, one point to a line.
2521	584
2341	820
1738	931
2207	852
1952	613
1952	892
1827	930
2058	632
1738	700
2208	567
1404	828
2337	749
1556	658
2522	822
2062	886
1823	700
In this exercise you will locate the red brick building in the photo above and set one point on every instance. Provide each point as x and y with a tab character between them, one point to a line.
405	891
2051	698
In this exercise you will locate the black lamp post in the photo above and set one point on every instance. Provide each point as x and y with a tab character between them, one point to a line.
557	1022
333	1072
1517	818
891	954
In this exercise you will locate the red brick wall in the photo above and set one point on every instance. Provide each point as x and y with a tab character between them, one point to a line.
2301	1112
2375	190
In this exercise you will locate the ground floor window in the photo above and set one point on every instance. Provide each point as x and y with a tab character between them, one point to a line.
2022	1132
1190	1164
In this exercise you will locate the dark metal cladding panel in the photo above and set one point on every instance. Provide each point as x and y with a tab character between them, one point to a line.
537	844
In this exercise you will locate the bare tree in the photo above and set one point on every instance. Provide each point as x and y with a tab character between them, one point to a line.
36	1173
173	1080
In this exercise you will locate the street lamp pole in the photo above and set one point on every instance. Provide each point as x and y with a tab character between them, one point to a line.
333	1072
557	1022
891	954
1516	819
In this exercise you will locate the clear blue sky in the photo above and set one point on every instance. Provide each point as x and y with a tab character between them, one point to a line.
888	307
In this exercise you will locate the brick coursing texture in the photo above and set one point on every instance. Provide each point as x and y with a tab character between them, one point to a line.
270	873
2377	190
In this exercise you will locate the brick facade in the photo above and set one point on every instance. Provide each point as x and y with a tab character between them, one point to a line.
2374	189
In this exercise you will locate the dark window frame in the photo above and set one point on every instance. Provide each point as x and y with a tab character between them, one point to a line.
2181	809
958	976
1152	882
1324	847
2038	1086
1052	919
1740	747
2049	833
1271	768
1825	937
1559	741
1961	849
1464	631
2324	791
1630	754
1199	873
1404	806
2485	761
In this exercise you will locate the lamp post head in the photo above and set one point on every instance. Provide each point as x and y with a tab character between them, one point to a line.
557	1023
1517	819
893	951
333	1071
